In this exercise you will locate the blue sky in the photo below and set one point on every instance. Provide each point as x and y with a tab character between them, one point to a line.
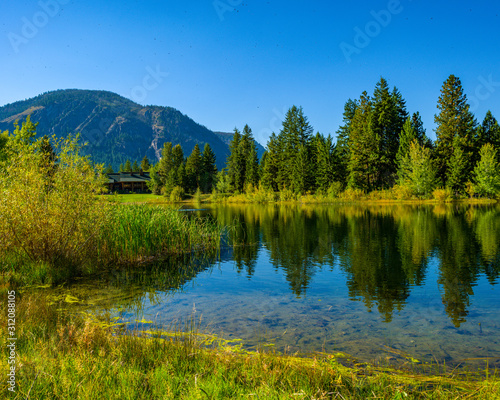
226	63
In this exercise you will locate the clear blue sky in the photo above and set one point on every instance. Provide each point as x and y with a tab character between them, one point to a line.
226	63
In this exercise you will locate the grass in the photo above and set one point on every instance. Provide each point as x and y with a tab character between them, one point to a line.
64	356
130	234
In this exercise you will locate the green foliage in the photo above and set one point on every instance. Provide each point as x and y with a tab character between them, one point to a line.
177	194
135	167
458	166
223	184
334	190
127	167
295	165
49	212
487	172
364	148
416	171
109	169
442	195
388	115
194	169
145	165
454	120
209	169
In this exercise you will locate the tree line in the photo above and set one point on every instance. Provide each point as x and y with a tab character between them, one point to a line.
380	145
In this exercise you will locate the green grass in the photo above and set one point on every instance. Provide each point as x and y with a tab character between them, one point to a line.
130	234
135	232
63	356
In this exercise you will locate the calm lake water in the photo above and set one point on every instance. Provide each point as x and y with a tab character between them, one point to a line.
381	283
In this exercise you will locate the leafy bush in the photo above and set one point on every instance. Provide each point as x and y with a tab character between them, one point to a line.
442	195
49	211
334	190
177	194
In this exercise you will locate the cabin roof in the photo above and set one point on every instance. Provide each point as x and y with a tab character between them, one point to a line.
128	177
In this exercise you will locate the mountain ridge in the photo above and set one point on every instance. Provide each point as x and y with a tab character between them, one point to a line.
113	127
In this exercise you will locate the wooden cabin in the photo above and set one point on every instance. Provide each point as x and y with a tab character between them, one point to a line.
128	182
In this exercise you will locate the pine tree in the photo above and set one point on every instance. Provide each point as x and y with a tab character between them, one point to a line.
342	146
454	120
487	132
487	171
408	135
122	168
324	165
109	169
234	163
458	165
295	135
128	166
135	167
145	165
270	164
252	166
193	169
209	169
364	146
389	115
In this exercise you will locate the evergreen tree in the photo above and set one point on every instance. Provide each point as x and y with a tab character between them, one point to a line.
487	132
418	126
109	169
387	121
416	170
487	171
342	146
324	165
135	167
145	165
252	166
128	166
122	168
408	135
294	141
457	167
454	120
209	169
194	164
364	147
235	170
270	164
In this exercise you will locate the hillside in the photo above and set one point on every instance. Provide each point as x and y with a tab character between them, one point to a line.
114	128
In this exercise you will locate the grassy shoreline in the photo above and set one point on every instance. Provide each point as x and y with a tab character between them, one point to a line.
153	199
82	357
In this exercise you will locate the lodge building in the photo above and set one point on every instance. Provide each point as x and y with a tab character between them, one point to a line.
128	182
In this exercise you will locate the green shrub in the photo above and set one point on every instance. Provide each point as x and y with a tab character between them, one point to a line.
442	195
177	194
334	190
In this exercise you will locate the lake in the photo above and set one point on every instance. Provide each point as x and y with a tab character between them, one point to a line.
396	284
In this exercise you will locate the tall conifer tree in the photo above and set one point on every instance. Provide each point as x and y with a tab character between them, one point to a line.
454	120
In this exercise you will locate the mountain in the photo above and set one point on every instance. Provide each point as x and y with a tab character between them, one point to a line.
114	128
226	137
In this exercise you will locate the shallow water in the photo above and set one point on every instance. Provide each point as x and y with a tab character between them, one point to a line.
383	283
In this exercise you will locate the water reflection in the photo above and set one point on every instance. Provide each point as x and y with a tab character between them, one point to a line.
383	250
